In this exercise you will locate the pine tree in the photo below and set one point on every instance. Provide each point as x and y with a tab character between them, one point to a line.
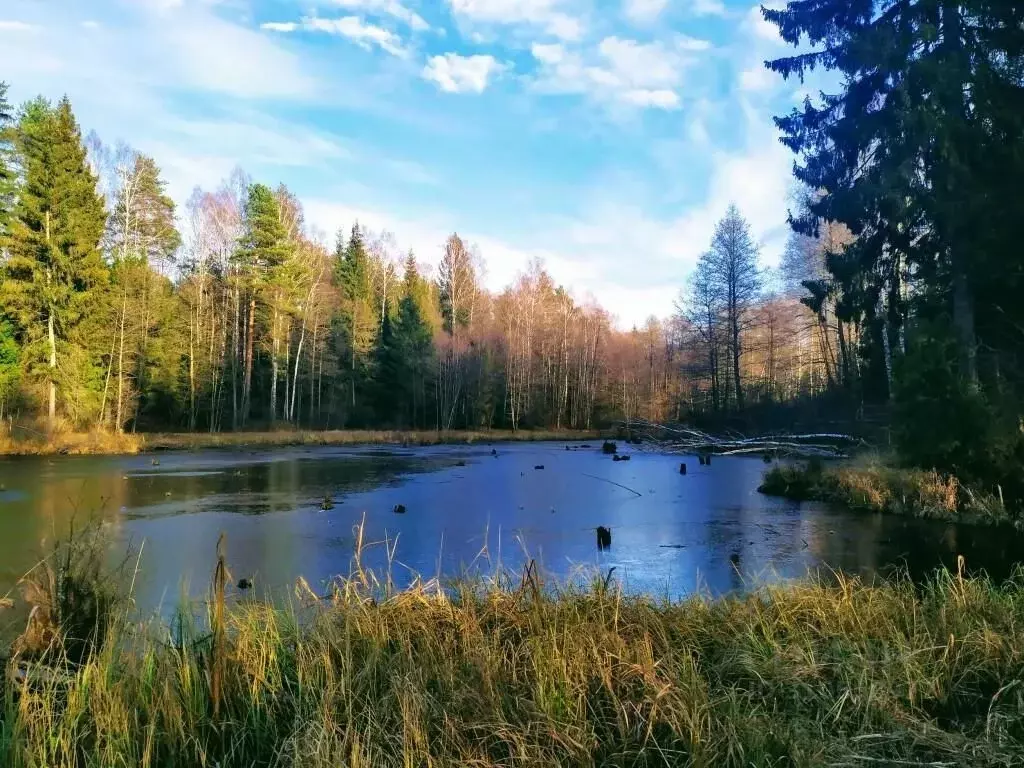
388	373
262	250
7	177
141	237
359	318
916	151
54	269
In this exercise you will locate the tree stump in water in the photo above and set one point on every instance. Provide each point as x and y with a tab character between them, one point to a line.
682	468
604	538
609	448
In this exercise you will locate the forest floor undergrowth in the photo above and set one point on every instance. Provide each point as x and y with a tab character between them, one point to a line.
100	442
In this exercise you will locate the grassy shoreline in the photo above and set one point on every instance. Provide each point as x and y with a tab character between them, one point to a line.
101	443
806	674
871	485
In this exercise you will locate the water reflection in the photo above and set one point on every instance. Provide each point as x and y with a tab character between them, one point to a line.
671	534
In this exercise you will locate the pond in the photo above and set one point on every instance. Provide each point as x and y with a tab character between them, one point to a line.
466	510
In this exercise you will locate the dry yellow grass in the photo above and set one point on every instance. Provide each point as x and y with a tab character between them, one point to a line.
477	674
101	442
872	485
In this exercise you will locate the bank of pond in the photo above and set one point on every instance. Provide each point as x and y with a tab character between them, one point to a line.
520	670
869	484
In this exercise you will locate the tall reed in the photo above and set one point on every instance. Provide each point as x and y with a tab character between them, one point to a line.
500	672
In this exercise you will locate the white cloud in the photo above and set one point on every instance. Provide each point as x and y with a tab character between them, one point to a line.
758	78
461	74
644	11
352	27
391	8
758	40
90	25
279	26
695	44
755	25
183	50
631	73
641	64
708	8
16	26
216	55
660	98
584	250
544	14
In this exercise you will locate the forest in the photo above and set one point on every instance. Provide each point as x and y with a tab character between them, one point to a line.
898	291
122	312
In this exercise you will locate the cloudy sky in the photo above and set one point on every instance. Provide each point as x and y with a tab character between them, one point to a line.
604	137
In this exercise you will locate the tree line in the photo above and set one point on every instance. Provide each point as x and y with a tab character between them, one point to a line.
121	312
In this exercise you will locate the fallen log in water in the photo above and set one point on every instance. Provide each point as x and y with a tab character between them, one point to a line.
679	438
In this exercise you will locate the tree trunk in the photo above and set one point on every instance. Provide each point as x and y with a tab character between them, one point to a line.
236	355
119	422
844	353
736	360
106	380
963	322
193	331
247	385
275	345
51	336
312	369
52	410
295	377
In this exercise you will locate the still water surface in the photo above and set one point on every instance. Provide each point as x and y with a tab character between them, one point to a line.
671	535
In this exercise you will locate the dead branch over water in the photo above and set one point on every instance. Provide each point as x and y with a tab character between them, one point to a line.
679	438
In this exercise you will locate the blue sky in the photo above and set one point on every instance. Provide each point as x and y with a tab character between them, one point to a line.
604	137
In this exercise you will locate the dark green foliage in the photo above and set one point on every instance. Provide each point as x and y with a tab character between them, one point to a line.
358	323
404	356
54	271
913	152
10	365
142	224
263	246
939	422
7	175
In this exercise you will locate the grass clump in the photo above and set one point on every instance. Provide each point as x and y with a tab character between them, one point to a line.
33	442
872	486
494	673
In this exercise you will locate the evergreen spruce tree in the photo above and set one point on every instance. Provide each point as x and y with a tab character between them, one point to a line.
388	373
7	177
263	249
414	340
54	270
915	151
359	319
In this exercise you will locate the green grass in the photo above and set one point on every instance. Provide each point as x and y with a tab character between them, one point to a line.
807	674
872	485
99	442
